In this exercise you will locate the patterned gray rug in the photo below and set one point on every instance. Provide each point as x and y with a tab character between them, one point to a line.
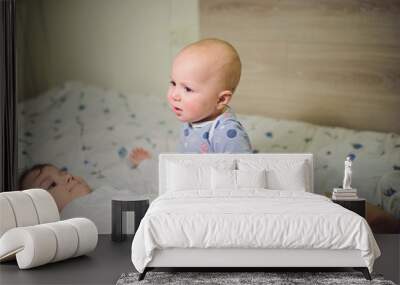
229	278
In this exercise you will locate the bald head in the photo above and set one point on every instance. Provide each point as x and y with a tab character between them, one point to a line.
219	58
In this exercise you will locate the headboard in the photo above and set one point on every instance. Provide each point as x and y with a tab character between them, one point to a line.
332	63
164	158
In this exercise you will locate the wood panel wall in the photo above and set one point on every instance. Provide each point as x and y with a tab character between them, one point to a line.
329	62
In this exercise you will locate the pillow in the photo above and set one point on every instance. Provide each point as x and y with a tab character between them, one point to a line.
181	177
188	175
281	174
292	179
251	179
223	179
227	179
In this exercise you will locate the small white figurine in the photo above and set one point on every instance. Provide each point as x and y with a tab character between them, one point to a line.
347	173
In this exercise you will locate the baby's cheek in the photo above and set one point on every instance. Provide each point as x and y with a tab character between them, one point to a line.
61	196
189	108
169	98
193	108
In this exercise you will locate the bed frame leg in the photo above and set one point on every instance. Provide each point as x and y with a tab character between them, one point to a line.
143	274
364	271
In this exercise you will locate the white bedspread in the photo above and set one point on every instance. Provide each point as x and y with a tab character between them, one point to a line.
250	219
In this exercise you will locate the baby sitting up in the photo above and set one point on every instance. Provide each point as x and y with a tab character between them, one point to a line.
204	76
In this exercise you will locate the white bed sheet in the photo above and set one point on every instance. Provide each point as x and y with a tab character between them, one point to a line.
251	218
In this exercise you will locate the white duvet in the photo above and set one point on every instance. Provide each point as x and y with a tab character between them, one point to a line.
250	219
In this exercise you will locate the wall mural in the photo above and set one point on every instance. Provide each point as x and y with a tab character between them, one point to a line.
86	131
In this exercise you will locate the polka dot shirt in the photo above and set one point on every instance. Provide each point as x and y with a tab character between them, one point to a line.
225	134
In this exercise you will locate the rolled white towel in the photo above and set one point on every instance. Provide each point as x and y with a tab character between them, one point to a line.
7	218
87	234
23	208
40	244
33	246
67	239
45	206
26	208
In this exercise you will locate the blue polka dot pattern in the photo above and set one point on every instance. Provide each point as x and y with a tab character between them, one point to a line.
84	147
268	134
389	192
357	145
122	152
229	137
231	133
352	156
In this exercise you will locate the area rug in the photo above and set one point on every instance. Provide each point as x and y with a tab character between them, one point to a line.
229	278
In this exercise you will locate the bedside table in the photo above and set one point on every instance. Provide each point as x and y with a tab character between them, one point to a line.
126	204
355	205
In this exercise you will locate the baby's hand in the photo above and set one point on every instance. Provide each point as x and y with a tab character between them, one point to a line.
137	155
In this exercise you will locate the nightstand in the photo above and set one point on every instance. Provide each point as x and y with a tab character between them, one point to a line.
355	205
126	204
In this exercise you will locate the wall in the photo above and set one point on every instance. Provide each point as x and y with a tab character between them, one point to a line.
125	45
128	45
333	63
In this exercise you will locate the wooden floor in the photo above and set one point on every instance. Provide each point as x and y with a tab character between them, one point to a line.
102	266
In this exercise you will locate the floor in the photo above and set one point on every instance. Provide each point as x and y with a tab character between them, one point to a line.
102	266
388	264
111	259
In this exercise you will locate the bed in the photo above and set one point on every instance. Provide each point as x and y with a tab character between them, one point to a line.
89	131
247	210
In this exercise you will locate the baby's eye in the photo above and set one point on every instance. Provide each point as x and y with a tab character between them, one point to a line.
52	185
187	89
172	83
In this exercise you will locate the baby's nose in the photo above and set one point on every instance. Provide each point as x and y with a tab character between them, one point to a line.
176	96
68	178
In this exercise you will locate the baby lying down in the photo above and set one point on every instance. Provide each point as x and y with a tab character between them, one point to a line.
73	196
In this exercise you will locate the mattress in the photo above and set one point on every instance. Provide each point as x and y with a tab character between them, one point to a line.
252	218
90	130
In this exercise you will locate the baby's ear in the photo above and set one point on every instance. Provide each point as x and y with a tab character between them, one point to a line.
224	98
